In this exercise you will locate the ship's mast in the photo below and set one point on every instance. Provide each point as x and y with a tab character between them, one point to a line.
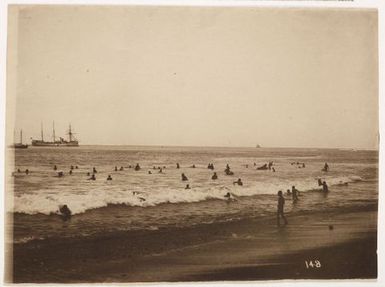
70	134
21	136
53	131
42	138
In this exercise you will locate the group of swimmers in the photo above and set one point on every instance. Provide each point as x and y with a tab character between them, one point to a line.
66	212
294	193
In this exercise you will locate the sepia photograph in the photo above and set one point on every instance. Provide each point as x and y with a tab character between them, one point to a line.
191	143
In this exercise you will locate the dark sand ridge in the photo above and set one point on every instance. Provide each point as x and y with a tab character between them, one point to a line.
244	250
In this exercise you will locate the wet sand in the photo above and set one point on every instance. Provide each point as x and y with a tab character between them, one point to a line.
242	250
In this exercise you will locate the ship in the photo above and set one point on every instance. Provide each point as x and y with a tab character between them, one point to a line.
20	144
61	142
258	146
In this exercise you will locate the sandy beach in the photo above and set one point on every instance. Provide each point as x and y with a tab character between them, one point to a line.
243	250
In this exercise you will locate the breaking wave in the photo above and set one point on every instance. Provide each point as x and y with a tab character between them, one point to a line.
46	202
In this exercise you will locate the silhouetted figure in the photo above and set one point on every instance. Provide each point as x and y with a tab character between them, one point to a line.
154	167
160	170
281	204
288	192
263	167
325	187
193	166
326	167
187	186
18	170
27	171
303	165
130	166
60	174
70	171
109	177
270	164
149	172
215	176
116	168
142	199
72	167
184	177
239	182
273	169
55	167
76	167
228	171
88	174
65	212
319	182
177	165
121	168
94	170
294	193
228	195
137	167
92	177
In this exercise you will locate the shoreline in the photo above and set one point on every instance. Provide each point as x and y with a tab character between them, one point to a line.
246	250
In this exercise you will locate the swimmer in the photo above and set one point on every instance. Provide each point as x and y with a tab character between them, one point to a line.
239	182
60	174
55	167
215	176
184	177
116	168
294	193
177	165
281	204
27	171
273	169
149	172
18	170
92	177
72	167
109	177
288	192
94	170
121	168
137	167
187	186
325	187
70	171
65	212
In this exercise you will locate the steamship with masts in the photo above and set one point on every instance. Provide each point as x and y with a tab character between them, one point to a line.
71	142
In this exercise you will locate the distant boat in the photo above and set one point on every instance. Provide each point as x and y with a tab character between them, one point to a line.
258	146
71	142
20	144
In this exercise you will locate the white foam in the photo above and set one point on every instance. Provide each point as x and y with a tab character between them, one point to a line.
46	201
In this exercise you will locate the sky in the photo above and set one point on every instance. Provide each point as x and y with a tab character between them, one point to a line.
195	76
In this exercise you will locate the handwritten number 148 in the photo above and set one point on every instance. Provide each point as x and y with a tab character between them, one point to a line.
313	264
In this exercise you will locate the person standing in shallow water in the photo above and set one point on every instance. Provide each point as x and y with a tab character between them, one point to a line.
281	204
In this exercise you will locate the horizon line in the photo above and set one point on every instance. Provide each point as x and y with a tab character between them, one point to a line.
213	146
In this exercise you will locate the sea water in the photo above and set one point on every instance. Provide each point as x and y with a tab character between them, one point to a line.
135	200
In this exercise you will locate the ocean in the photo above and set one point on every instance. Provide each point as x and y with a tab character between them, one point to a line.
138	200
